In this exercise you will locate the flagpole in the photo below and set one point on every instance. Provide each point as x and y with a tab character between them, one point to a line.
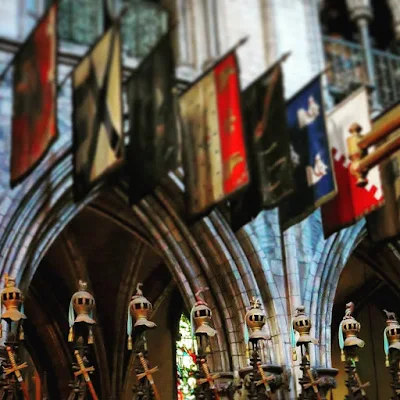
286	274
7	67
284	57
377	135
241	42
108	17
268	97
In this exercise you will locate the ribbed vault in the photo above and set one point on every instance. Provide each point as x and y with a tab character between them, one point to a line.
207	253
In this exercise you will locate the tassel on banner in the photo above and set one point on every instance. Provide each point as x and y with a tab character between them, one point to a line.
386	339
129	328
341	342
90	338
71	335
21	333
293	341
130	345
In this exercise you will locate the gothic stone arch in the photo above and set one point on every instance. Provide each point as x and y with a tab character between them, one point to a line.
34	214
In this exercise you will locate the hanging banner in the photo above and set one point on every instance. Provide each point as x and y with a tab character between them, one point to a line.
352	202
34	120
314	179
384	223
97	115
268	149
214	156
153	144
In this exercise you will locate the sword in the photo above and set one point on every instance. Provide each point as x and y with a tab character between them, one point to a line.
312	383
85	373
148	373
16	370
209	378
264	380
38	386
361	386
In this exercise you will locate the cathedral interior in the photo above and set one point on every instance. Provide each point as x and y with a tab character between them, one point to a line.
49	241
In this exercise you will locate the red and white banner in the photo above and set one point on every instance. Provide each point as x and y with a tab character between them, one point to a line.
352	202
214	156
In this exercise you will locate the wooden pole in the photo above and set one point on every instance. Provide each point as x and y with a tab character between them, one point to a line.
38	386
390	123
380	154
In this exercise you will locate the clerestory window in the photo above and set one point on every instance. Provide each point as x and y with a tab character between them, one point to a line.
80	22
143	23
142	26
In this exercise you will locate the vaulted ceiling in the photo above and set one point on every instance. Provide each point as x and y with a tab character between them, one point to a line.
112	256
372	274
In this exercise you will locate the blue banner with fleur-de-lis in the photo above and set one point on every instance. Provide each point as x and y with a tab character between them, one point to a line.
314	178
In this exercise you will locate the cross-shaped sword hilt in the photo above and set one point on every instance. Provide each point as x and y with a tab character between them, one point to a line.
313	382
265	379
14	367
148	372
83	370
360	386
208	377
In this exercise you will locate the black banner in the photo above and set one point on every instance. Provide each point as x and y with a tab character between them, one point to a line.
153	145
268	148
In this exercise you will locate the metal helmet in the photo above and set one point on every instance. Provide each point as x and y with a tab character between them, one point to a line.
255	321
201	316
139	309
82	304
12	299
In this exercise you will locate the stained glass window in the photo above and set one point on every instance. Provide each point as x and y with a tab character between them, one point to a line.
143	25
185	360
80	22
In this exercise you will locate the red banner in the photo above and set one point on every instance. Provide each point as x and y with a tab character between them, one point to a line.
214	153
352	202
35	91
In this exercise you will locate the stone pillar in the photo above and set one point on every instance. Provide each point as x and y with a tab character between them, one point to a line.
395	9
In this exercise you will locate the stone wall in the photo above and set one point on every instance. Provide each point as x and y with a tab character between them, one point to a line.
253	263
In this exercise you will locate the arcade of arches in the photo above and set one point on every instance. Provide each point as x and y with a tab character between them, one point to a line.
50	242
